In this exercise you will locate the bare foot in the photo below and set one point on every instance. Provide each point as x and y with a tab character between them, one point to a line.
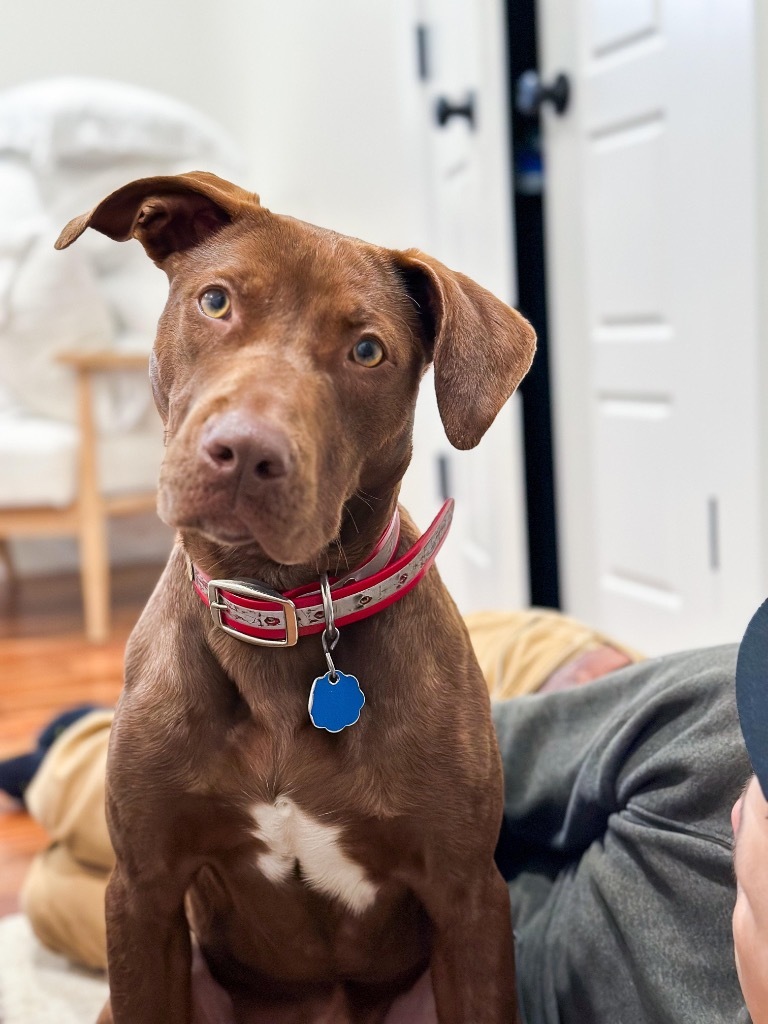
590	665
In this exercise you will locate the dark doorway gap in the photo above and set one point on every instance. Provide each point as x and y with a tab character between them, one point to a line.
529	198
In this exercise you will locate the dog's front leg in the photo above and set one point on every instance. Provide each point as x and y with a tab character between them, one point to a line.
149	951
473	962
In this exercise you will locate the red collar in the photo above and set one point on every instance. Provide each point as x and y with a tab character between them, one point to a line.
252	612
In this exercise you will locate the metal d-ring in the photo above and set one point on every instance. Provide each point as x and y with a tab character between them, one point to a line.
330	635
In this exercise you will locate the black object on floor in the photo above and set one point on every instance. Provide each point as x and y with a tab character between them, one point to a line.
16	773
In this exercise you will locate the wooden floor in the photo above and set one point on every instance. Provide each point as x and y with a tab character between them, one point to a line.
45	667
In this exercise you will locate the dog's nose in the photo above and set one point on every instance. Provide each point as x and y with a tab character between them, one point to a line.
234	445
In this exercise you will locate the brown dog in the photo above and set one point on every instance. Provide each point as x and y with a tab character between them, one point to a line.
321	873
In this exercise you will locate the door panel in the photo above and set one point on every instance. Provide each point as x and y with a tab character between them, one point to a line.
614	24
651	201
627	209
636	429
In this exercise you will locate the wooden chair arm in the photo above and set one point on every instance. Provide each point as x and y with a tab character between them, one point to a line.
107	359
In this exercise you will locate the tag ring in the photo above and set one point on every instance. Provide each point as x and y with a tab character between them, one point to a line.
330	635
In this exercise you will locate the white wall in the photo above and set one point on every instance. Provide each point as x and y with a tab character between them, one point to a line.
332	107
175	47
317	94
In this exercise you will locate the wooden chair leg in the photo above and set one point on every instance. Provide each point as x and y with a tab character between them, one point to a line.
9	591
94	574
6	560
94	556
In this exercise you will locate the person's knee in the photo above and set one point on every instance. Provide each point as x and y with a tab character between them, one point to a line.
64	902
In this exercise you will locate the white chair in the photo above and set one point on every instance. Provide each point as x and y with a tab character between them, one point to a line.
79	438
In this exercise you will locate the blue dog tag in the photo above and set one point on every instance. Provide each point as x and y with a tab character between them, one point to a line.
334	706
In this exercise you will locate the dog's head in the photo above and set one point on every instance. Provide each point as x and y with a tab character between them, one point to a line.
288	359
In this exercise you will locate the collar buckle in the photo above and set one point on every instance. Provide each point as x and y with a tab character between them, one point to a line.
253	593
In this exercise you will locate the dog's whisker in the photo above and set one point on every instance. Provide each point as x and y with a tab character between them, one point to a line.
361	493
354	521
364	501
342	554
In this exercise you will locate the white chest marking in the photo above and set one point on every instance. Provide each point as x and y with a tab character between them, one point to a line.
292	837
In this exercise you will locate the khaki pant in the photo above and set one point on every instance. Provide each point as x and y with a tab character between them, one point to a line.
63	894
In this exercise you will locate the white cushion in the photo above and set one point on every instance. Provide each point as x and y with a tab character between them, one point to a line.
131	462
93	121
134	288
49	302
53	304
123	398
22	218
38	461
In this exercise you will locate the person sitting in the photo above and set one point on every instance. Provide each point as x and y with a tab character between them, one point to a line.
616	842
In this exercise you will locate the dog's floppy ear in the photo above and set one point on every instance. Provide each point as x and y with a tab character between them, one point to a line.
481	348
167	214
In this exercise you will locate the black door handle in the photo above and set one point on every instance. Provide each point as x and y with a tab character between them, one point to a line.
531	94
445	110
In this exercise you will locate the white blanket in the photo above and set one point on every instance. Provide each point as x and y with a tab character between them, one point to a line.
37	987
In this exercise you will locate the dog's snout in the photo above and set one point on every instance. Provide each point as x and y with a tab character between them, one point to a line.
233	445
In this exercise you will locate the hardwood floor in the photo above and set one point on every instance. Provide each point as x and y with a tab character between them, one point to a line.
47	666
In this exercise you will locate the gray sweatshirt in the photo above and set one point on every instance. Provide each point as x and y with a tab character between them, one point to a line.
617	844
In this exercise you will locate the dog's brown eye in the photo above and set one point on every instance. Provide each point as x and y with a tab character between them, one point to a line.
215	303
368	352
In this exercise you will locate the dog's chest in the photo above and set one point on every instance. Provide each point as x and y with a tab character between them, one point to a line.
298	844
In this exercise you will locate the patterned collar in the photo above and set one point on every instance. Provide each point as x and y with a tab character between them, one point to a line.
251	612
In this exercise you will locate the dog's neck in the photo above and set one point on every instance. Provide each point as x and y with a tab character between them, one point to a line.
364	520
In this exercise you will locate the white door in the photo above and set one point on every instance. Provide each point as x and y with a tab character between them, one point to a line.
470	229
651	207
